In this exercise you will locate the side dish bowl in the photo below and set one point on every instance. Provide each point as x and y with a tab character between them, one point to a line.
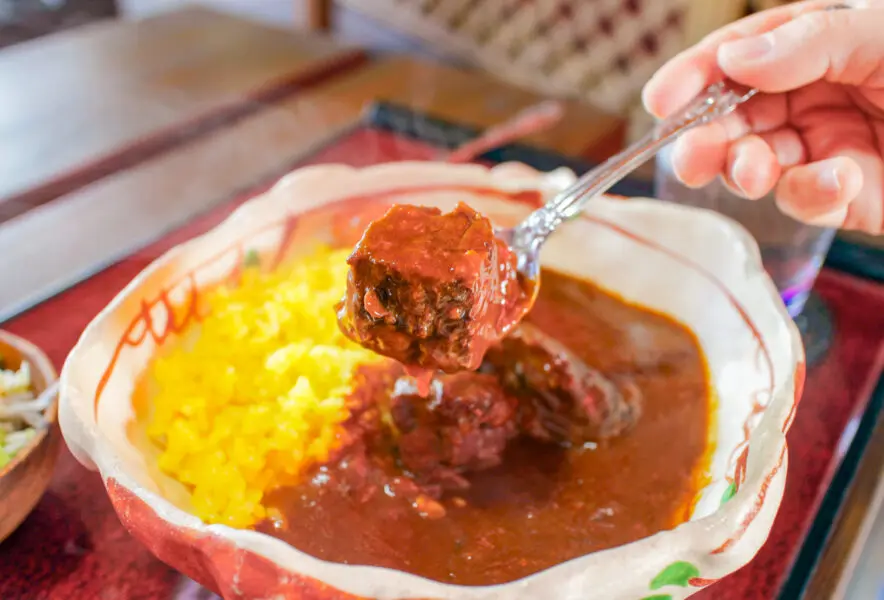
24	479
693	265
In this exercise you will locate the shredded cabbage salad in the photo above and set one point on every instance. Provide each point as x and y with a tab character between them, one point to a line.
21	413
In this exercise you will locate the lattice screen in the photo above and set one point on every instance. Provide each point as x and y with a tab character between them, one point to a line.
598	50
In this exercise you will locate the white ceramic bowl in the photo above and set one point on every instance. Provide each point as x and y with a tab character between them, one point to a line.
694	265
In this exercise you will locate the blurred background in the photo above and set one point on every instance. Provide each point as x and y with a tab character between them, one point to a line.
600	51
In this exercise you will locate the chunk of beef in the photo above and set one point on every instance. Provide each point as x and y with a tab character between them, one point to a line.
372	385
431	290
464	427
562	399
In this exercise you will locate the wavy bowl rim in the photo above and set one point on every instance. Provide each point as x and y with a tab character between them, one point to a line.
102	457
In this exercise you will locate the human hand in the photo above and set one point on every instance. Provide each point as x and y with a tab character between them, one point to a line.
815	133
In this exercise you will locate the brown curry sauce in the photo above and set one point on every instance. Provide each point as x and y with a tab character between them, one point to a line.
546	503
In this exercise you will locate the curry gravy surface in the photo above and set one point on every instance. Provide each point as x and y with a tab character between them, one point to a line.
545	504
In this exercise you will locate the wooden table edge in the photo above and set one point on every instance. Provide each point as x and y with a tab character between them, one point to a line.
168	138
873	509
856	515
74	265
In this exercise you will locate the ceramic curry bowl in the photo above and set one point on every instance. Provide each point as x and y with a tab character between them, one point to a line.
693	265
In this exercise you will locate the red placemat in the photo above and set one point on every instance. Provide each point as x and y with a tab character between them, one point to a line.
72	546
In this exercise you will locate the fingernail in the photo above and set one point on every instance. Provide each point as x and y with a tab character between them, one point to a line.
753	48
738	166
829	180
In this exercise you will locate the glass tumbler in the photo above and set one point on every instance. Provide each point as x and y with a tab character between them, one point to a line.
792	252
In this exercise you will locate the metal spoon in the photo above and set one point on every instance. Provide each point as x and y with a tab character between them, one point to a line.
526	239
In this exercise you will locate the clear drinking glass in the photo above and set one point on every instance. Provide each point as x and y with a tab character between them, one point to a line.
792	252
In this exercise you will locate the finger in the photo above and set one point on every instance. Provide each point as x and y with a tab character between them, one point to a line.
766	112
688	73
752	167
787	146
819	193
829	122
678	81
866	211
844	46
817	103
699	156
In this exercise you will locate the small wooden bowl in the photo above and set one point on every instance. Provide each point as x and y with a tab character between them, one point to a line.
25	478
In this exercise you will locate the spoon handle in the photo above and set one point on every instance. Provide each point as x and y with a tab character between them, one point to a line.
715	102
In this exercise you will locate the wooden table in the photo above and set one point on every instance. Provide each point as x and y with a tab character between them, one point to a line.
851	535
114	94
174	115
459	96
146	124
79	105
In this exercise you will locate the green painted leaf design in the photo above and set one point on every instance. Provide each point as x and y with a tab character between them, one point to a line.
678	573
658	597
729	492
252	259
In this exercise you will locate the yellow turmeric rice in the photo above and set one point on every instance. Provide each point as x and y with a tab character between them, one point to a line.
258	396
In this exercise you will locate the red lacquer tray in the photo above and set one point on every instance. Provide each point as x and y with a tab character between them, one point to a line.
73	547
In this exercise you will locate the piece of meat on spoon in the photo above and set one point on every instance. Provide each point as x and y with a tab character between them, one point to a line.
432	290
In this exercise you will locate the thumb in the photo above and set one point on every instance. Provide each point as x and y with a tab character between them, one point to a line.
842	46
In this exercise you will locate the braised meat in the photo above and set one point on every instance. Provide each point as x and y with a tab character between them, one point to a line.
431	290
562	399
464	427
